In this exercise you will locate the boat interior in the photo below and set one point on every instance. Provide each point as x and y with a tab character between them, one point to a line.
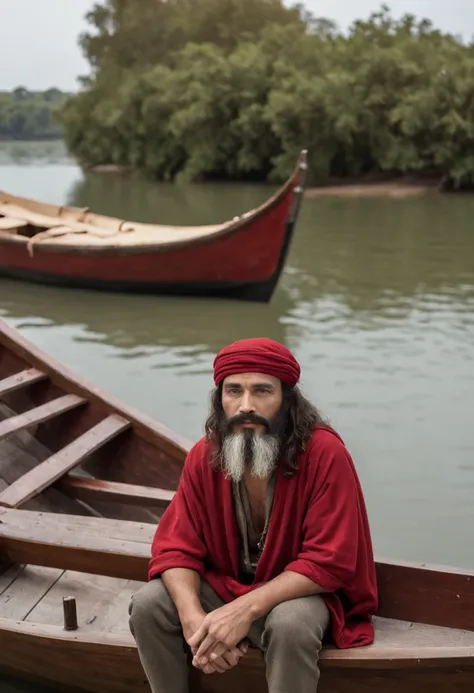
34	222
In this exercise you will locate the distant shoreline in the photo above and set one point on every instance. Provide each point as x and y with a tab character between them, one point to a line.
397	189
400	188
403	187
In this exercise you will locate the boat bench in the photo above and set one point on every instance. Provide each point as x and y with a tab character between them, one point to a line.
121	549
96	545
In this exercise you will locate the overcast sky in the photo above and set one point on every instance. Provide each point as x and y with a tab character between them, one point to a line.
38	38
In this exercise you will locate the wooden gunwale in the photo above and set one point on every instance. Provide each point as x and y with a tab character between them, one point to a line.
369	657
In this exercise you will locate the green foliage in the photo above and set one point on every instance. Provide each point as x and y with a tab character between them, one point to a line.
235	88
131	34
26	115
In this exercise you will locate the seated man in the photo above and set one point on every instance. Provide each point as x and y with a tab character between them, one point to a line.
266	541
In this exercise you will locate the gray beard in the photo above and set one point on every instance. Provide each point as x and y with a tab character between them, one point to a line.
263	458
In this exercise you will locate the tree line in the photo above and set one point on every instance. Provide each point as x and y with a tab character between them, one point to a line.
233	89
30	115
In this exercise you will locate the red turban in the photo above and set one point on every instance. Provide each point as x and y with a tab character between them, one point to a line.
260	355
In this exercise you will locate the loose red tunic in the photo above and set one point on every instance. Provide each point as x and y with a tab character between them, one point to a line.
318	527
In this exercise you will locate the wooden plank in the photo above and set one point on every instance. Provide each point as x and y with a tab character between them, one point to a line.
39	414
426	594
21	380
41	477
24	593
109	557
400	637
99	490
111	618
28	537
46	524
9	576
19	454
102	602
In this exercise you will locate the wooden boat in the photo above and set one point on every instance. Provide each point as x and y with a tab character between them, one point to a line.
68	246
84	480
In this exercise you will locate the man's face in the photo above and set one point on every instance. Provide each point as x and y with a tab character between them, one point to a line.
252	427
253	398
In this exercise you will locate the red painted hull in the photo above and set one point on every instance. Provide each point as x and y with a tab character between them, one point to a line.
246	260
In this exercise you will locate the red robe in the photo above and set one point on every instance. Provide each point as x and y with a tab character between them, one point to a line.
318	527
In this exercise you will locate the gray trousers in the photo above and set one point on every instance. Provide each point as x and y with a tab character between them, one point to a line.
290	637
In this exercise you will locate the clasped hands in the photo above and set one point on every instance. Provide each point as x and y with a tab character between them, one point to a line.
218	640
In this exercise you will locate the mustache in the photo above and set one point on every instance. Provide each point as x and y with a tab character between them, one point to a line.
247	419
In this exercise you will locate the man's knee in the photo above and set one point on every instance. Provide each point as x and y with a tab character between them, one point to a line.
150	605
298	621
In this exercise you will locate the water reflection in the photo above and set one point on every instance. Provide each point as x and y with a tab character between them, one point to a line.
381	257
46	153
133	323
162	203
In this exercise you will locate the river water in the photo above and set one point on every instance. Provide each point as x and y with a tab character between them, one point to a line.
376	301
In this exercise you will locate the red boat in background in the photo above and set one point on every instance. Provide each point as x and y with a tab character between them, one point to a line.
68	246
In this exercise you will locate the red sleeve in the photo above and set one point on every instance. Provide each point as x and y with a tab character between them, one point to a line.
335	531
178	540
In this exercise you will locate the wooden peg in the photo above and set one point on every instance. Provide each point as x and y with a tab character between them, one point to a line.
70	613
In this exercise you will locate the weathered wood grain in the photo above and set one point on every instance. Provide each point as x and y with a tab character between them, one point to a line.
89	545
26	591
110	491
40	414
102	602
21	380
46	473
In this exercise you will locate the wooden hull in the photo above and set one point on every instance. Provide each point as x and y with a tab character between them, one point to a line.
89	537
241	260
99	663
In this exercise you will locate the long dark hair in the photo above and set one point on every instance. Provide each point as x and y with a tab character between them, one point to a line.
298	420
